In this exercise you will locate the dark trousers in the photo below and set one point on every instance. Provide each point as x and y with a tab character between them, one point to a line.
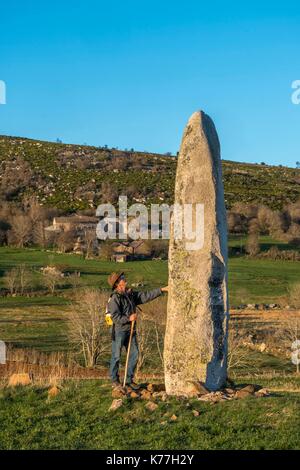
121	338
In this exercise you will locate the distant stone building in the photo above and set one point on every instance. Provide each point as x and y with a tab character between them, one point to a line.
78	222
120	257
82	227
129	250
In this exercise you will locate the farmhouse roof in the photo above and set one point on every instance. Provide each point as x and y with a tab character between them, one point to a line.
77	219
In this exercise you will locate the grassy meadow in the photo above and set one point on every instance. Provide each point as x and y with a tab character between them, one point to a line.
38	319
78	417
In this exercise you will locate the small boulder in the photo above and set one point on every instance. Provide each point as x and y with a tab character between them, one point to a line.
53	391
245	391
206	397
115	405
151	406
263	392
196	389
195	413
118	392
160	395
146	395
262	347
20	379
229	391
173	418
156	388
134	395
249	388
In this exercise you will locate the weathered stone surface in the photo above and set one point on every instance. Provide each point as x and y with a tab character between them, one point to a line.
196	331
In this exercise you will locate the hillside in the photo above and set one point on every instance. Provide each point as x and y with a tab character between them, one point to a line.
72	177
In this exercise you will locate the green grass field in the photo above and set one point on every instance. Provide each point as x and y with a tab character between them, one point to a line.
250	280
78	418
39	321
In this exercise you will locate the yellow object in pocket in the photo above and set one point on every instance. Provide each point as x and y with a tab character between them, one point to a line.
108	319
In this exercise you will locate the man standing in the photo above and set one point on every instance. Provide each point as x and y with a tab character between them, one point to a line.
122	308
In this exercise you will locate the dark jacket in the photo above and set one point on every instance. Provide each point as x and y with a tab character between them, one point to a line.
121	306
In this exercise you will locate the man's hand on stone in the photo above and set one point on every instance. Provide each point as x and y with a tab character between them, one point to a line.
165	289
133	317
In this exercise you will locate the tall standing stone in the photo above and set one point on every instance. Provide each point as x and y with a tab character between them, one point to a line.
197	319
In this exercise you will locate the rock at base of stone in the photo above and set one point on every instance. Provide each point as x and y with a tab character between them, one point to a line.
151	406
263	392
160	395
156	387
199	389
118	392
146	395
115	405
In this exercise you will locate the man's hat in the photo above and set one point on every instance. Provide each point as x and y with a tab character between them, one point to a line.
113	278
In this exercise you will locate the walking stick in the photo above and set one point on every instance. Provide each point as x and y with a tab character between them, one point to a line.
128	351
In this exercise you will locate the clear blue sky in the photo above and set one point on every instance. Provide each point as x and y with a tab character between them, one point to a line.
129	73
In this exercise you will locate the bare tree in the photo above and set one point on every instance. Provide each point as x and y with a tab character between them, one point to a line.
25	277
38	233
144	330
290	332
74	279
106	250
11	280
65	240
159	337
153	327
87	330
89	239
252	245
238	354
20	233
294	295
52	278
264	217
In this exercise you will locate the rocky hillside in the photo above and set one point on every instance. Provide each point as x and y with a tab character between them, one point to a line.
72	177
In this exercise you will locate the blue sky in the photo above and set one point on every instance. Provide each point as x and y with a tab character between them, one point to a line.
130	73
